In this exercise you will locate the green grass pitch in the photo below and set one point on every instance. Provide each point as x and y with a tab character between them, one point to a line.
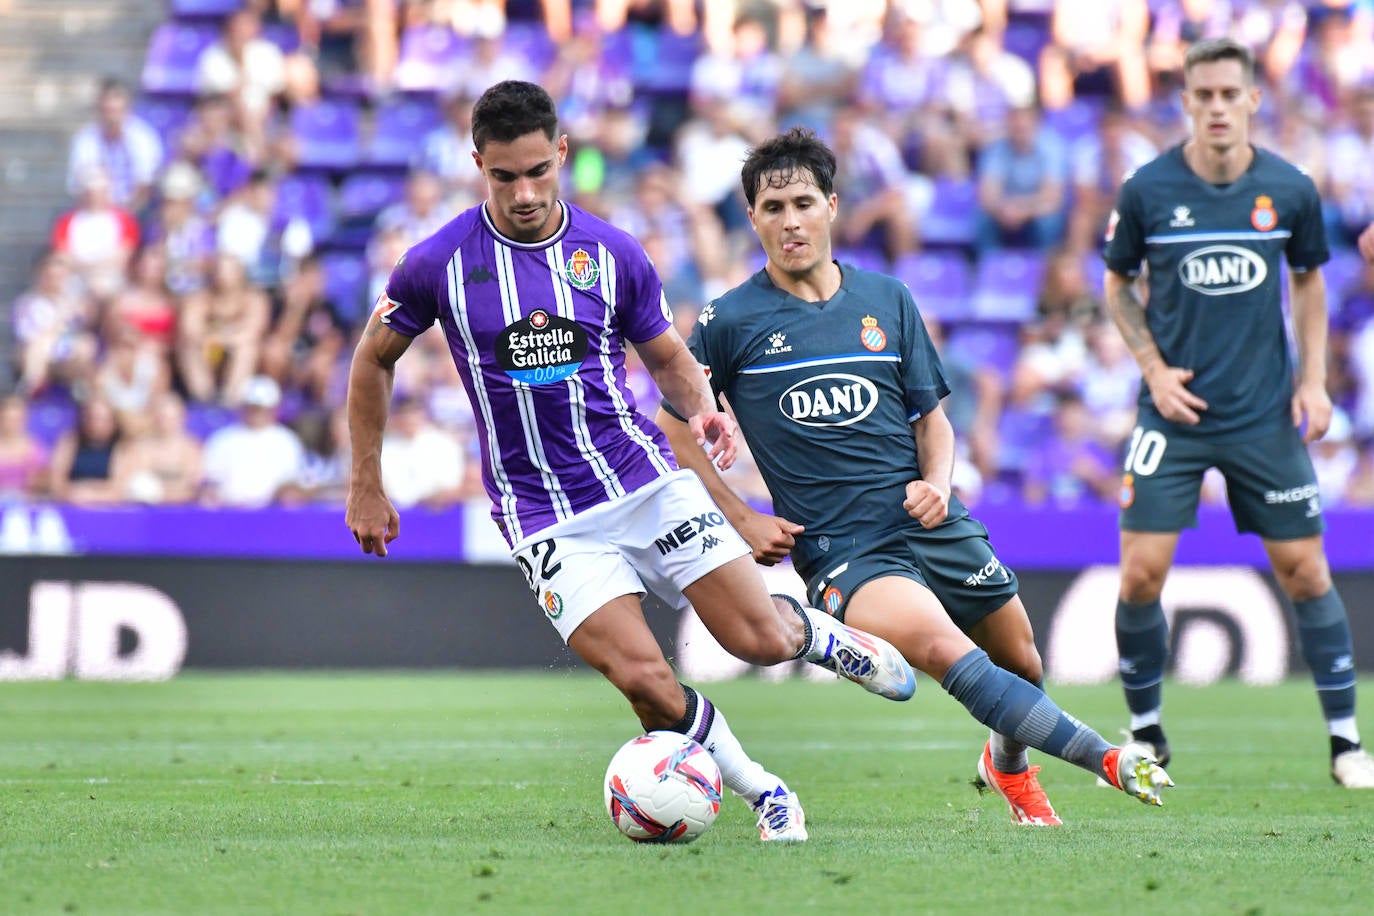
471	793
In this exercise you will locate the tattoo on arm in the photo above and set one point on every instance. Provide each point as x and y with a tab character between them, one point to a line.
1129	314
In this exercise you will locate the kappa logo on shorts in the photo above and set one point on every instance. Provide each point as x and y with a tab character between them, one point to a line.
710	541
672	540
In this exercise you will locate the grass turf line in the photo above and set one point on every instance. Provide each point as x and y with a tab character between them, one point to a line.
456	793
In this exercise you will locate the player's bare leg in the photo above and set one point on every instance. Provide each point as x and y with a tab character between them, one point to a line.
735	606
1324	635
616	641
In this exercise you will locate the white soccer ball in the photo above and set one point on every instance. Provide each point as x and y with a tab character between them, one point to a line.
662	787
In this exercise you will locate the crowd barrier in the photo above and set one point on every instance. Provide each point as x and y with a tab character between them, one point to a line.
110	614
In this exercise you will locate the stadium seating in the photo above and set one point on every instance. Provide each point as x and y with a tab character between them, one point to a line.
310	196
952	216
398	127
187	9
166	114
345	280
423	61
940	281
327	134
170	66
362	195
1006	285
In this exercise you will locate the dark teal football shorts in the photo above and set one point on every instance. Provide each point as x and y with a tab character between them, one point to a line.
1270	484
955	561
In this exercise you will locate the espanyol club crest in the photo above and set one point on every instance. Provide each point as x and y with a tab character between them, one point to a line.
582	269
872	336
1264	217
832	601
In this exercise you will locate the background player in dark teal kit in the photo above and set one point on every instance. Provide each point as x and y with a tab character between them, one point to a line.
1214	218
836	385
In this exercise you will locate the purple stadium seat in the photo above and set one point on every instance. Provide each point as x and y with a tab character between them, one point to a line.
1020	434
166	114
663	60
399	127
1006	285
994	344
186	9
310	196
940	281
531	41
326	134
863	258
1077	120
345	284
363	194
952	216
50	417
423	60
1340	273
170	65
204	419
282	34
1096	271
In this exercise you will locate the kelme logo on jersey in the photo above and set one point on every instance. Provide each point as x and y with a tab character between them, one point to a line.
1220	270
582	269
541	349
833	399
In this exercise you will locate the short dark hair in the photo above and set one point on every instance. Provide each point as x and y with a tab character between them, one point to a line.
1215	49
511	109
781	160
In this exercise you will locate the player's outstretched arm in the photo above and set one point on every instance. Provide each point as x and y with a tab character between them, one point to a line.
1311	402
683	382
370	515
770	537
1167	383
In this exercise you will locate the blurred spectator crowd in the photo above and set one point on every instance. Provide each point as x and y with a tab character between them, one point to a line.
234	213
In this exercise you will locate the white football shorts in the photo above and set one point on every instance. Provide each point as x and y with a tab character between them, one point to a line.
661	538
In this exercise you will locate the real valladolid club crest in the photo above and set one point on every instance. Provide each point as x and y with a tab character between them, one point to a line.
582	269
872	336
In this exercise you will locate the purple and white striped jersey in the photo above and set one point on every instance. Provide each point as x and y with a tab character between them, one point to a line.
538	333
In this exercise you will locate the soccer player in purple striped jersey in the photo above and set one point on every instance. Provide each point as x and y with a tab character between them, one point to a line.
537	300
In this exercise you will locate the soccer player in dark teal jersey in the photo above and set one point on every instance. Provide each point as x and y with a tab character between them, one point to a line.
836	386
1213	219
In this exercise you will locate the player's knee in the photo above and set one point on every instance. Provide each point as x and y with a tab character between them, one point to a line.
1025	663
1303	577
1141	584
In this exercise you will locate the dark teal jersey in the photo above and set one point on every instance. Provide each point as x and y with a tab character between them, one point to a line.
1214	256
825	393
